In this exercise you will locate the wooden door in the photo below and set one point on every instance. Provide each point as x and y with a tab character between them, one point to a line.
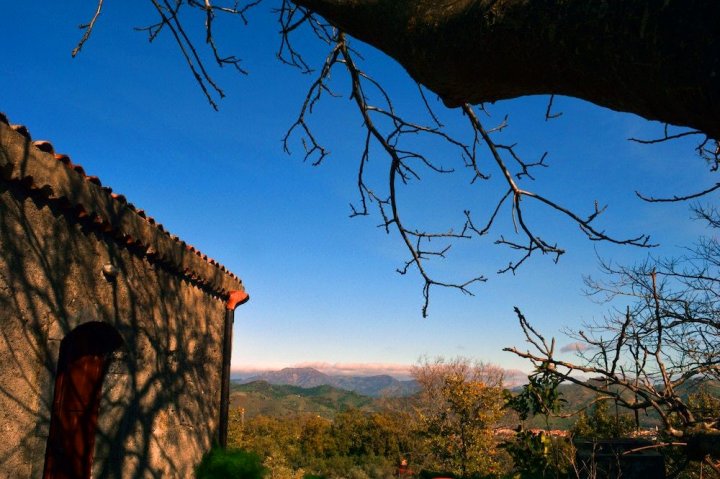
78	386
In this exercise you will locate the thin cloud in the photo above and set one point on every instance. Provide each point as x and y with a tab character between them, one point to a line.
511	377
514	377
400	371
576	347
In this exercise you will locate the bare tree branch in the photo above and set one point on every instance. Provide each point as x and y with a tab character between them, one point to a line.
386	134
88	28
665	341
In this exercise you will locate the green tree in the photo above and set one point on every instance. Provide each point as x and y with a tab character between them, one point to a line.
351	430
539	396
460	403
275	440
236	427
316	440
537	455
354	444
600	423
705	405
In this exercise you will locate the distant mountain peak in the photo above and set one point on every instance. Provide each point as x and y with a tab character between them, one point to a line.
308	377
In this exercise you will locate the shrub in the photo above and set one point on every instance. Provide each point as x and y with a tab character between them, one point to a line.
230	463
601	424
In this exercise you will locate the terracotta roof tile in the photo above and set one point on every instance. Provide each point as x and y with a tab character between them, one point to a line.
22	130
94	179
118	197
85	196
63	159
45	146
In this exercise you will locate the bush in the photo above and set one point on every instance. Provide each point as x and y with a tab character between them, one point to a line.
230	463
539	455
601	424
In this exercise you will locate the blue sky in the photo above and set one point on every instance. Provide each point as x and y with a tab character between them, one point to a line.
323	287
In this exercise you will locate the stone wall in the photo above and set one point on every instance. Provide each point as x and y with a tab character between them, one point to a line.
161	396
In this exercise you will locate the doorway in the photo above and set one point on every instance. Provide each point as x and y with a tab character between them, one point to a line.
82	364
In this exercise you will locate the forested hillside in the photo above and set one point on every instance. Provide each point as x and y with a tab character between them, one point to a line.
323	431
260	398
381	385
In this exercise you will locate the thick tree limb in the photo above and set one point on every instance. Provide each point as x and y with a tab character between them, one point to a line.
659	59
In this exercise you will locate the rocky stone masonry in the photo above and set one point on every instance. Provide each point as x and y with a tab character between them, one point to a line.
61	233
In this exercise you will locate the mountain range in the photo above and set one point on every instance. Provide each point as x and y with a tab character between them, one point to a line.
375	386
258	398
309	393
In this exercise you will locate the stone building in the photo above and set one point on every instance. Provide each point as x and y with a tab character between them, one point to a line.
114	334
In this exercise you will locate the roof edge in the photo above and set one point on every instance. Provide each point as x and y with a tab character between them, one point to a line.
36	166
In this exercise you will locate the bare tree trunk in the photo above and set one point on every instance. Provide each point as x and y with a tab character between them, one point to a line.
657	58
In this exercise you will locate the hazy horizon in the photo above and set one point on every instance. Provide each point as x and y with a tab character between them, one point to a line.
397	371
